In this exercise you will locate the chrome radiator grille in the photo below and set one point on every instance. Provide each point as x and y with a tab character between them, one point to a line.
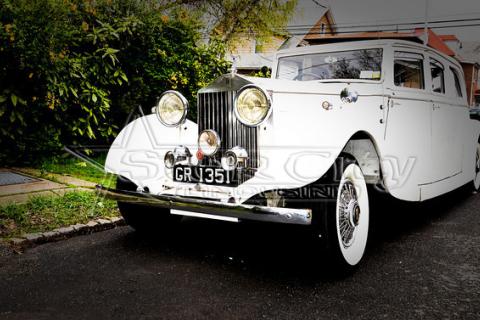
215	112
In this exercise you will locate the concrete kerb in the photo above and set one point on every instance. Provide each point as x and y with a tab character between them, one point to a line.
33	239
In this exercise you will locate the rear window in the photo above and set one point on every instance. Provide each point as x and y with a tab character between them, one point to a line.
408	70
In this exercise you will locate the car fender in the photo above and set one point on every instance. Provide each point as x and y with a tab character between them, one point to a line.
139	149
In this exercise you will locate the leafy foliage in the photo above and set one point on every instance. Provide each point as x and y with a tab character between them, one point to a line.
72	70
171	61
264	72
231	19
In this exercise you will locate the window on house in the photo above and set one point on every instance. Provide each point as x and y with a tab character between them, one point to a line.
408	70
458	86
323	28
438	76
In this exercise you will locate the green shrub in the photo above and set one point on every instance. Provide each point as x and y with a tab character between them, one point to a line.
72	70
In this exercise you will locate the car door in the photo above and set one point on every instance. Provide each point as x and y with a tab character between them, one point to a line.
447	118
407	155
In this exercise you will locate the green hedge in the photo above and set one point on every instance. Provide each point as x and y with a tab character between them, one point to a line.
72	70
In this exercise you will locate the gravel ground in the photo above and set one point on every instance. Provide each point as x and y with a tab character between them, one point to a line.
422	262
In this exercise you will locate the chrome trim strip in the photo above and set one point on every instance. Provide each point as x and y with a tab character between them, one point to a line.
429	183
201	215
240	211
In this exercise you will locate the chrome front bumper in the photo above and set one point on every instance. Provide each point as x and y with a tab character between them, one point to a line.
240	211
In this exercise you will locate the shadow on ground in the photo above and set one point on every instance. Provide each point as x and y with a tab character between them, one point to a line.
288	253
421	263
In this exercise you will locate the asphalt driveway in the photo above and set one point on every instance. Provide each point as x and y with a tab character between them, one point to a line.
422	262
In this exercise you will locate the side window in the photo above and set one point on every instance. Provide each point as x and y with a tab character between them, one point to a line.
458	86
408	70
438	76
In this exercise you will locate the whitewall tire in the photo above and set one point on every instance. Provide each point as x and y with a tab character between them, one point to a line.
344	220
476	177
352	216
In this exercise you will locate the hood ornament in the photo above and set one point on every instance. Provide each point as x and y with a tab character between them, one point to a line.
234	66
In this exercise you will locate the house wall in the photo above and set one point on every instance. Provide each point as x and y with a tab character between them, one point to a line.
252	45
269	46
243	45
252	51
316	31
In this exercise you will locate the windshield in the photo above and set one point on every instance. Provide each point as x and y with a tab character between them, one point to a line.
356	64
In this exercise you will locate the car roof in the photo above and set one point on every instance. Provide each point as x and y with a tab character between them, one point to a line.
352	45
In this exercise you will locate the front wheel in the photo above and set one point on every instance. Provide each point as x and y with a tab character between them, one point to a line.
476	178
145	219
347	218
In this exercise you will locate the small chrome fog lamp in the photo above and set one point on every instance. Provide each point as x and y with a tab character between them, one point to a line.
233	158
169	160
229	161
181	153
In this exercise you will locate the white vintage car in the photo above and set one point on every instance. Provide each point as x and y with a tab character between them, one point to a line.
302	147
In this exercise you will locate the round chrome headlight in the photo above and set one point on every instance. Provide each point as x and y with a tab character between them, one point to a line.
208	142
252	105
172	108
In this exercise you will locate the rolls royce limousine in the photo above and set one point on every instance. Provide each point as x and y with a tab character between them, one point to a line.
303	146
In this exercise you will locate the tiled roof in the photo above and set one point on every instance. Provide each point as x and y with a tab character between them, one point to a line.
434	41
361	35
448	37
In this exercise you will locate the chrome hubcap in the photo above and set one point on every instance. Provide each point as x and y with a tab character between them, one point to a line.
349	213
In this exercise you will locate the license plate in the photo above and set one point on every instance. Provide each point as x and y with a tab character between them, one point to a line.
205	175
